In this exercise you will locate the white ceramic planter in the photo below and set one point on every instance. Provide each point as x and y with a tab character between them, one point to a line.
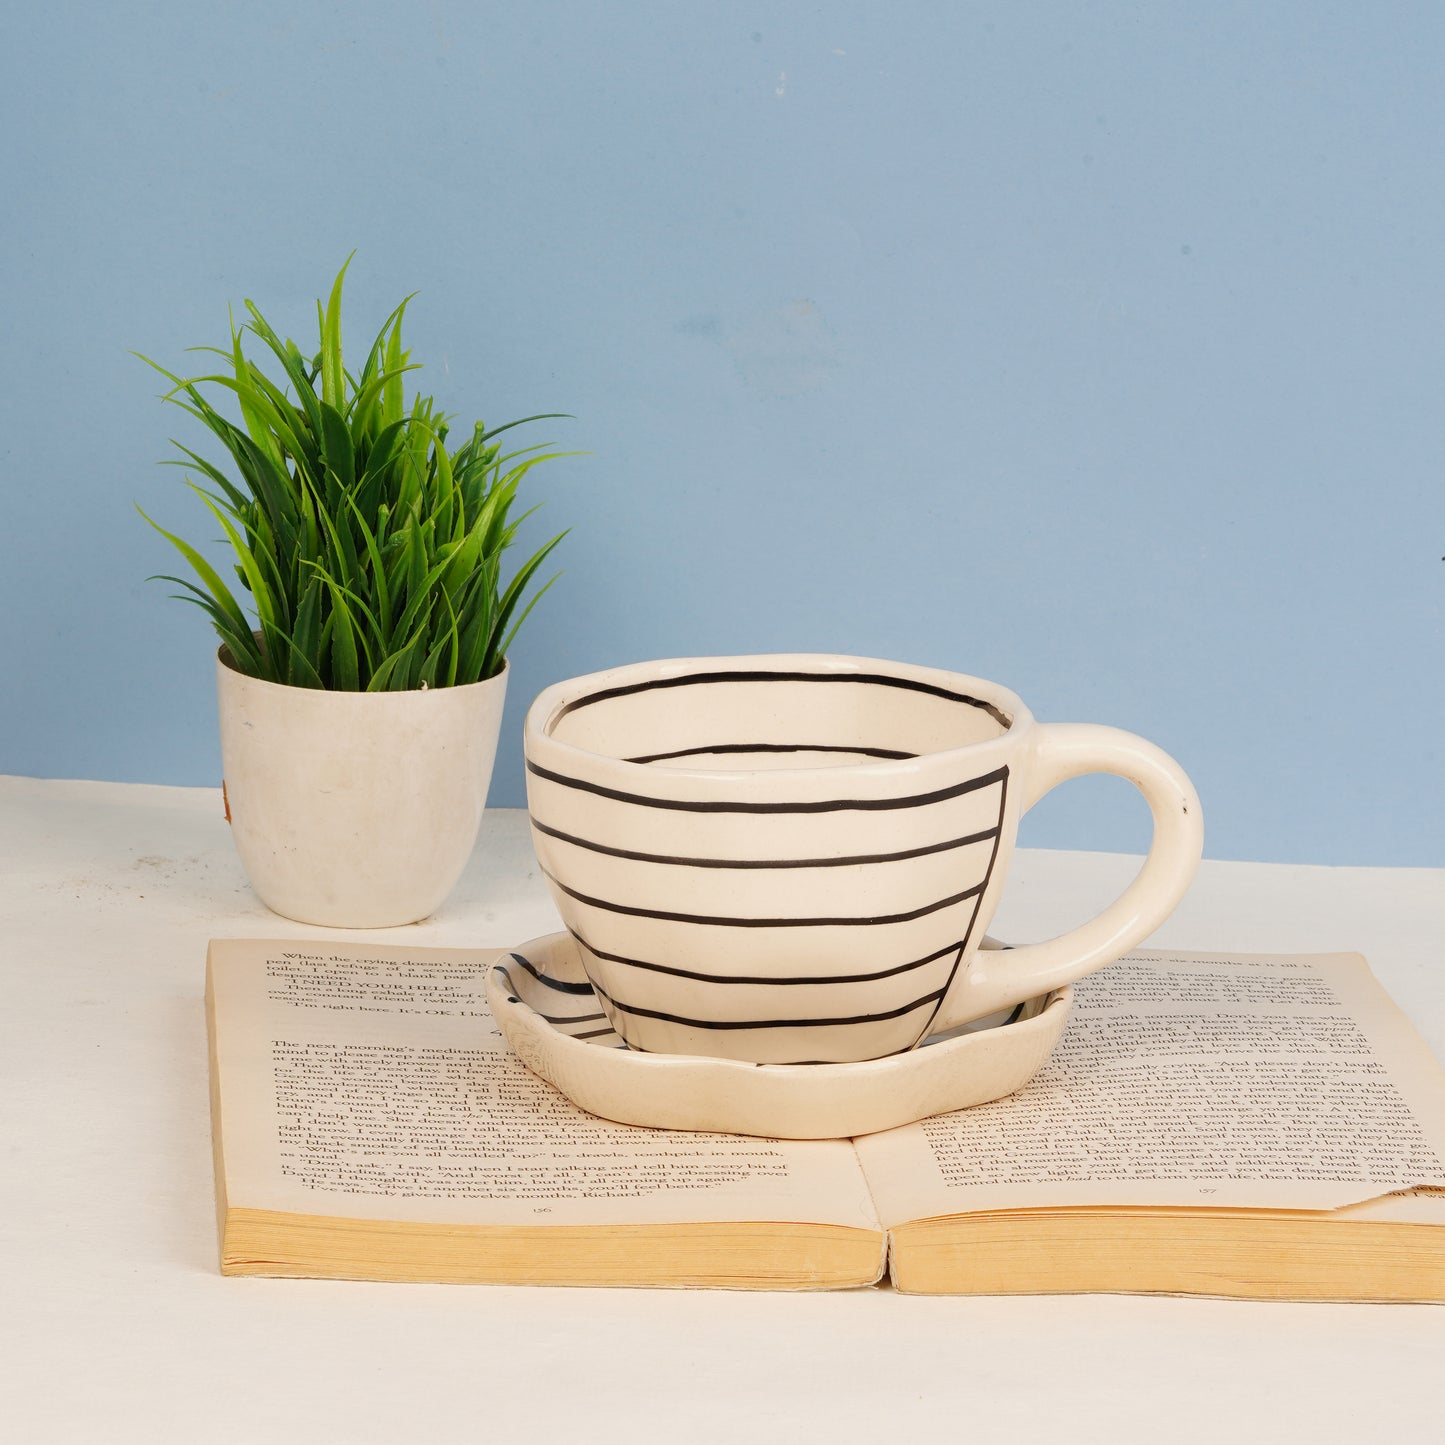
356	810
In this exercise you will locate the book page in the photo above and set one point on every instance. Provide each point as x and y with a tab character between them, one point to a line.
372	1082
1250	1081
1408	1206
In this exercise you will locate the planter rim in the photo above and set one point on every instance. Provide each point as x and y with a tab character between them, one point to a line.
226	664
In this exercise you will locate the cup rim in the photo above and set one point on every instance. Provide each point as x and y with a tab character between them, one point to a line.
554	701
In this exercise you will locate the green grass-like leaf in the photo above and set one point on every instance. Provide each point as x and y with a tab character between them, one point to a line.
368	553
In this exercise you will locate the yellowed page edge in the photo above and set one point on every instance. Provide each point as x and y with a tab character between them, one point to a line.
1238	1255
735	1256
218	1153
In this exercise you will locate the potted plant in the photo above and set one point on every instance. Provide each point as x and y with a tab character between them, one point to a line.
362	667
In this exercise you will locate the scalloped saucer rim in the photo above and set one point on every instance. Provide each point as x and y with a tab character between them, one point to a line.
591	1066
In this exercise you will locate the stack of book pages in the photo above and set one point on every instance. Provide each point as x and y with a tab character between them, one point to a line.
1260	1126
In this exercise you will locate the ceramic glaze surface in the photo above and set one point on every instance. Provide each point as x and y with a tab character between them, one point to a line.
356	810
554	1022
791	859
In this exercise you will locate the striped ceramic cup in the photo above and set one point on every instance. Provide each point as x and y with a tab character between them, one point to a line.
790	859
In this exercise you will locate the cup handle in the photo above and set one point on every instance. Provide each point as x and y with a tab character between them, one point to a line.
997	978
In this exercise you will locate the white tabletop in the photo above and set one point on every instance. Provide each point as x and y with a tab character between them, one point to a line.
115	1325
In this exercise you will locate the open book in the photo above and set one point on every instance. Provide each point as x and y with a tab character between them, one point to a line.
1263	1126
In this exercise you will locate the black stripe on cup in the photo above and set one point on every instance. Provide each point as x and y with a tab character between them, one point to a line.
851	1020
855	861
786	981
725	922
723	749
987	879
826	805
872	679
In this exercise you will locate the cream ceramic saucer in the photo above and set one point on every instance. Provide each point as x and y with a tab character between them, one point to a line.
550	1016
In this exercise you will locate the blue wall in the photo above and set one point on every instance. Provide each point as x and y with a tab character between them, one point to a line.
1097	349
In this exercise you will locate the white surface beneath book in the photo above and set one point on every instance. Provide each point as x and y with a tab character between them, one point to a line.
116	1326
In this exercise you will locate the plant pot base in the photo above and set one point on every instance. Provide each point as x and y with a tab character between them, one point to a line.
356	810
